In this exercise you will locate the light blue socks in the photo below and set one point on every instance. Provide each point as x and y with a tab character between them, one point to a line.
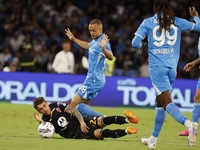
86	110
175	112
196	112
159	120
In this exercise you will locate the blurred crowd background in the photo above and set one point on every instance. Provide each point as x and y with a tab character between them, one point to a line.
33	32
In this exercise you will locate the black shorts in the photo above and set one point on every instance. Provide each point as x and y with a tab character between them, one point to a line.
91	122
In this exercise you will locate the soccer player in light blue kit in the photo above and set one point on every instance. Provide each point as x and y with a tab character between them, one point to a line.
164	35
196	110
99	52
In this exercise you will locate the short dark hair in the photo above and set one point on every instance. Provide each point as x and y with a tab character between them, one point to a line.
96	21
38	101
66	41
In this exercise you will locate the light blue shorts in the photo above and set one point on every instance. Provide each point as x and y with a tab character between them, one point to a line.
90	88
162	78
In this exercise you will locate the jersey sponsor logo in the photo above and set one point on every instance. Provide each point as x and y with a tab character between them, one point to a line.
155	21
58	109
62	122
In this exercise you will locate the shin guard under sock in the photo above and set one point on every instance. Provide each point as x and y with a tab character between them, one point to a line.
114	120
113	133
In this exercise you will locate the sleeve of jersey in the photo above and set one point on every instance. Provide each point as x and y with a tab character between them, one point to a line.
142	30
189	26
197	24
136	42
139	35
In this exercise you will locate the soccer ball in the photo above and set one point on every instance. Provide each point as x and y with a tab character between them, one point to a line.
46	130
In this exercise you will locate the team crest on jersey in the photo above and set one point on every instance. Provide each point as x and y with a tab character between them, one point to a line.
91	50
58	109
155	21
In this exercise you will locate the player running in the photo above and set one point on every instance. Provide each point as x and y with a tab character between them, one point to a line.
99	52
69	123
164	35
196	109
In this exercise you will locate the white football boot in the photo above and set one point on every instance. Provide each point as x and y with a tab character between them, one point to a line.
148	143
192	137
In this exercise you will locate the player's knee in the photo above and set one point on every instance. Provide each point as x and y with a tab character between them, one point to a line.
197	99
74	104
165	105
99	122
97	133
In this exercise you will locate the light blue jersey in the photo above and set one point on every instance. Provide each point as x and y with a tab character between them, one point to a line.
164	47
97	58
95	79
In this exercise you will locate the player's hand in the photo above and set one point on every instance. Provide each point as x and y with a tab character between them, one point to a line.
144	44
84	127
69	34
188	66
103	43
193	12
38	117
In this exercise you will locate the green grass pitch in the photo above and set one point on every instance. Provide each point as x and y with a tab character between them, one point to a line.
18	131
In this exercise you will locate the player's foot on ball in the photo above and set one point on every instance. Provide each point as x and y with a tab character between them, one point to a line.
131	130
192	137
148	143
185	133
131	117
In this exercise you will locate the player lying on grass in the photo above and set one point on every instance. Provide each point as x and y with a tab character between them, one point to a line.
69	123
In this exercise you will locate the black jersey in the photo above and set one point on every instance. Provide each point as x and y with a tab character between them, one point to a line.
66	125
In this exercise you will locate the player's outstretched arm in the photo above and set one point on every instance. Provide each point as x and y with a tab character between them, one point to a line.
38	117
71	110
190	65
193	12
81	43
102	44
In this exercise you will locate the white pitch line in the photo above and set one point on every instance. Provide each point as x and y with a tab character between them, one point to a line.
4	137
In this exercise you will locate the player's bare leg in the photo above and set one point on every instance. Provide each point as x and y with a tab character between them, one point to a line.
77	100
158	123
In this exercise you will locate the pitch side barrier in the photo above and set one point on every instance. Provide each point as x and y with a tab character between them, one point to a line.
23	88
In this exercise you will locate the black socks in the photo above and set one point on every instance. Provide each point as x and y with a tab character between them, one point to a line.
113	133
114	119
